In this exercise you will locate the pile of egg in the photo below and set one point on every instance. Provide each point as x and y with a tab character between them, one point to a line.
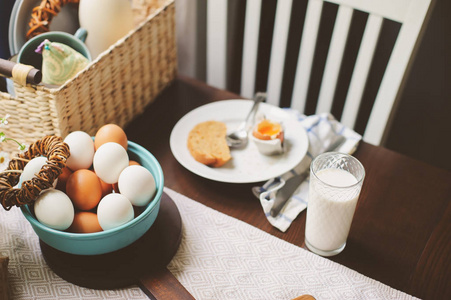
100	187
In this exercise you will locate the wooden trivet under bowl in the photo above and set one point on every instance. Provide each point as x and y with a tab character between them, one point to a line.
134	264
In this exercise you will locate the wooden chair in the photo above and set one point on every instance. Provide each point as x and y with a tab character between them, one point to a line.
411	15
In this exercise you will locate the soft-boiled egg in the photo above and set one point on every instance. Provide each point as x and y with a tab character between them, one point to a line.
268	130
268	136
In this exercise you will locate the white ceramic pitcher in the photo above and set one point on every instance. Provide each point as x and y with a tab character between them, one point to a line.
106	22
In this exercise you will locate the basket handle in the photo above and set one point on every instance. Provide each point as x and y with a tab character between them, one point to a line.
20	73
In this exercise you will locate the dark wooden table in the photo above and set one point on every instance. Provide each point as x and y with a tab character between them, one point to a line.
401	232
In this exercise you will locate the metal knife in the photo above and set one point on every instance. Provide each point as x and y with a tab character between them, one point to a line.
293	183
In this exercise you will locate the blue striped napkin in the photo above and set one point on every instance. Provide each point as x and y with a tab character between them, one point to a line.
323	130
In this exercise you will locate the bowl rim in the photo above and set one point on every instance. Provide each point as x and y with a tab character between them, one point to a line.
135	149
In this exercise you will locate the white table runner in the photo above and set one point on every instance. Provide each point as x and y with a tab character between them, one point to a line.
219	258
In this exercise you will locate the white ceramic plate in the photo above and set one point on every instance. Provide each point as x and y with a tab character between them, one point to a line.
66	20
247	164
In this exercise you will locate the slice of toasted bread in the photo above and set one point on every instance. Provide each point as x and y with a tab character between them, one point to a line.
207	143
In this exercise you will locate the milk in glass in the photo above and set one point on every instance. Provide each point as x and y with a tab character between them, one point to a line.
331	205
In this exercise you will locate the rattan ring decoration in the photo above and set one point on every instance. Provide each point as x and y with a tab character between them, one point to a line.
56	152
42	16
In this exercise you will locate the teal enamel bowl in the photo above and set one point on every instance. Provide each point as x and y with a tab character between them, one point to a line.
112	239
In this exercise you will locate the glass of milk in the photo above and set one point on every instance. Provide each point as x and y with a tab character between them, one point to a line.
335	183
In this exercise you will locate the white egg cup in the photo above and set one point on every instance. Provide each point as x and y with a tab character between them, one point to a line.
268	147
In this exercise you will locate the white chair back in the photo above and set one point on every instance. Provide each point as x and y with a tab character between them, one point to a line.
410	14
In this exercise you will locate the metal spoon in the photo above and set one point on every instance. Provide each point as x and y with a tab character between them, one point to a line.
239	137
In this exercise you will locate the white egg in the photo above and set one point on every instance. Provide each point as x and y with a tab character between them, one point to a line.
109	161
81	150
32	168
137	184
114	210
54	209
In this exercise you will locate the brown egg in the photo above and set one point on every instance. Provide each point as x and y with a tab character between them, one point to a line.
84	189
106	188
62	179
133	162
85	222
110	133
116	187
268	130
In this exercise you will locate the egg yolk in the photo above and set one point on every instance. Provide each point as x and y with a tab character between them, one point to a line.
266	130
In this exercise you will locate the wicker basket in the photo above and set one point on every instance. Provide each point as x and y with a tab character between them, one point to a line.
114	88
